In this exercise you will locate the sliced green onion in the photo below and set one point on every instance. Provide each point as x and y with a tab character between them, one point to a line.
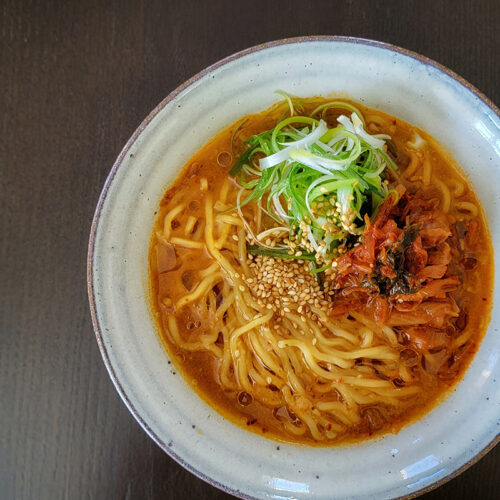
235	131
278	253
338	105
243	160
316	180
317	270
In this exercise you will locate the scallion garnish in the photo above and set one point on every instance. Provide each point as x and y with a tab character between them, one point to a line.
318	181
278	253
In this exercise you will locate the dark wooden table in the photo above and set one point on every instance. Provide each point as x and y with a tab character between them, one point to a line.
76	80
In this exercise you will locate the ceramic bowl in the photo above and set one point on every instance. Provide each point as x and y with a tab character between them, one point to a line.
404	84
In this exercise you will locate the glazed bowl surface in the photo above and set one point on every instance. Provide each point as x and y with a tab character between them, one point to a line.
437	447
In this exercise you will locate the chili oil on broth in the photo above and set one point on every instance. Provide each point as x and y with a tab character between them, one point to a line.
199	304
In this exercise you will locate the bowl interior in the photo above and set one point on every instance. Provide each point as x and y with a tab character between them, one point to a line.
196	435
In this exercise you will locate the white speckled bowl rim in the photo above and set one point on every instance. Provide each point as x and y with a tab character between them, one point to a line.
433	471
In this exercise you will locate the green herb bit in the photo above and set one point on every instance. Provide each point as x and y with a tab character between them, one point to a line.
278	253
243	160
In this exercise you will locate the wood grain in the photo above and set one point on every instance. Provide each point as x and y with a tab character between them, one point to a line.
77	78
